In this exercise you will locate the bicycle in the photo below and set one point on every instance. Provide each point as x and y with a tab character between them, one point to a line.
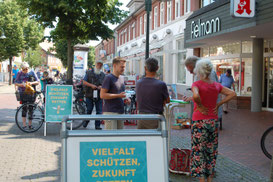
267	142
34	112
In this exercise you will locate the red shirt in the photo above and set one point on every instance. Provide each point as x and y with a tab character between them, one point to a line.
208	93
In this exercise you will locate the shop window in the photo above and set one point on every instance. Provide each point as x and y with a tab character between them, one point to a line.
246	76
246	47
232	48
205	52
234	64
181	70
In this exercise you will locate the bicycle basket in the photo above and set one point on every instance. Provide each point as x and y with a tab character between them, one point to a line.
28	97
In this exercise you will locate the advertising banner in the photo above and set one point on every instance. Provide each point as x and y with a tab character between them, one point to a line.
80	63
113	161
58	102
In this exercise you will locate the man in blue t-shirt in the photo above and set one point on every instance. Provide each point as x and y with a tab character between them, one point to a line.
15	71
113	92
227	81
151	95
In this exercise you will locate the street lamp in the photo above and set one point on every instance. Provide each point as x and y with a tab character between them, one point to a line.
148	8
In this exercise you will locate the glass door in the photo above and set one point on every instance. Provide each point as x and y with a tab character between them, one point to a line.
268	83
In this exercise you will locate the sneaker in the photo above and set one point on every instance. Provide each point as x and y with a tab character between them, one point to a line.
24	127
30	127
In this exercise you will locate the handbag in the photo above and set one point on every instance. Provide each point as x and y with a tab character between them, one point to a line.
180	161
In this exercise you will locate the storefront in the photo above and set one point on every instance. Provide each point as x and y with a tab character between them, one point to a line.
243	45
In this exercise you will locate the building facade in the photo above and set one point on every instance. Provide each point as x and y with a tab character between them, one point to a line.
167	24
243	44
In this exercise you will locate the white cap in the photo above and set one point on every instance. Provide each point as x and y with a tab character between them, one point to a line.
99	61
24	65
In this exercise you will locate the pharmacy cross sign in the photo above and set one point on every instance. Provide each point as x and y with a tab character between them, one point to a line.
242	8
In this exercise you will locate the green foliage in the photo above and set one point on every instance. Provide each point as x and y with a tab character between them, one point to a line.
76	20
11	21
21	32
91	57
34	57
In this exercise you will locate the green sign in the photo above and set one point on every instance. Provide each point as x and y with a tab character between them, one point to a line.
58	102
113	161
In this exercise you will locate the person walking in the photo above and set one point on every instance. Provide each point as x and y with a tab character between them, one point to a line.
15	71
93	80
151	95
204	130
227	81
113	93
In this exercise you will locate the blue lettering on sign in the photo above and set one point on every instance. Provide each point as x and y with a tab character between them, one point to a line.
113	161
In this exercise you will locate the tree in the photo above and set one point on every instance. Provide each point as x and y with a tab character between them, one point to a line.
91	57
34	57
20	32
76	20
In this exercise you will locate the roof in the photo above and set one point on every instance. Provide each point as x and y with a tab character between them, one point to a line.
46	46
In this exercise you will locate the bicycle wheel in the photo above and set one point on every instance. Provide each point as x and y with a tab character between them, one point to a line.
78	109
29	117
267	142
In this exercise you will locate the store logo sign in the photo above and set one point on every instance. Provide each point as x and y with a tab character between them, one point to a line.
199	28
242	8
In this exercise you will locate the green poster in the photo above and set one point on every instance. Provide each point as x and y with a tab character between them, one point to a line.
58	102
124	161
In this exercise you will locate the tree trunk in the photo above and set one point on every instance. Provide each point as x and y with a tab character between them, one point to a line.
70	54
10	70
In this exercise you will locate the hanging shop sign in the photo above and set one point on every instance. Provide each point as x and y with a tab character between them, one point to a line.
201	28
242	8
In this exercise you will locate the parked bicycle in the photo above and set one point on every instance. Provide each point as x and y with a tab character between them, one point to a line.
267	142
32	113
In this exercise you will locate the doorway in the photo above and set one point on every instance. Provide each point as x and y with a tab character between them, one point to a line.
268	83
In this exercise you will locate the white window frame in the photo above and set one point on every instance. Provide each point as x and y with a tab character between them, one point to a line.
145	22
162	13
140	25
129	32
187	7
155	17
177	8
134	30
169	11
125	32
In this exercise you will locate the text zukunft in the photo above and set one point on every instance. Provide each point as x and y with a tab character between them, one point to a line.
199	29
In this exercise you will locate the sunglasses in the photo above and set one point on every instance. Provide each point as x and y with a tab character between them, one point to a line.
25	69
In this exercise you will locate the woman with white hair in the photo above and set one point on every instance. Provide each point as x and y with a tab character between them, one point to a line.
23	78
204	127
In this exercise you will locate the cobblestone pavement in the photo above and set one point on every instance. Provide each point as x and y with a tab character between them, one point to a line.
33	157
